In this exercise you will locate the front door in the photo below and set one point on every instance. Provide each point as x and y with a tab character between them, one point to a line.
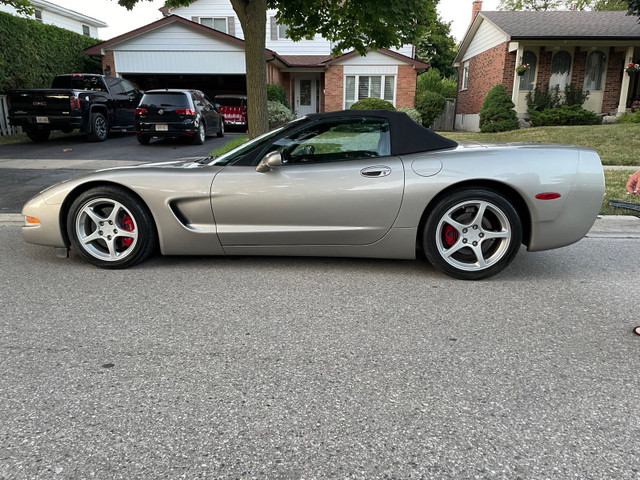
306	92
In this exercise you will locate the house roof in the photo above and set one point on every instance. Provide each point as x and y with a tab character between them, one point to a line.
614	25
417	64
305	60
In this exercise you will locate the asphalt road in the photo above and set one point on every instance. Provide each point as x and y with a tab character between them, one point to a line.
294	368
26	168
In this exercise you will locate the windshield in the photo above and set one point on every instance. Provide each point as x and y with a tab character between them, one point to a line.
239	151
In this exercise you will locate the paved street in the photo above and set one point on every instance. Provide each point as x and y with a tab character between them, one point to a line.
26	168
188	367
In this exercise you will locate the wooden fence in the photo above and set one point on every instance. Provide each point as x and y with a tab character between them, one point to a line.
5	128
444	122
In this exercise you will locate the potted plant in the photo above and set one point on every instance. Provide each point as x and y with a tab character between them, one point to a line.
520	69
633	68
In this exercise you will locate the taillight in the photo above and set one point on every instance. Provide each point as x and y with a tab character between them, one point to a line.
74	103
185	111
141	111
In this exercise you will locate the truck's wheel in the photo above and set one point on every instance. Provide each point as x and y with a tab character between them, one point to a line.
38	135
99	128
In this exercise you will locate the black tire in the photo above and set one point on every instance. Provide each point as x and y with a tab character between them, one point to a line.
143	139
466	247
99	221
221	131
38	135
99	128
201	134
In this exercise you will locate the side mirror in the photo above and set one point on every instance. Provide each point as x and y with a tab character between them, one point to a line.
269	161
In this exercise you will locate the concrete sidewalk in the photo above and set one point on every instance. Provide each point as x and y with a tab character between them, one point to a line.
607	226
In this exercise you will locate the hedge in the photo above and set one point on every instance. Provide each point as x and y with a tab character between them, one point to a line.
32	54
564	115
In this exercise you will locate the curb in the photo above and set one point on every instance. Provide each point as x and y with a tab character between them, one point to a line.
606	226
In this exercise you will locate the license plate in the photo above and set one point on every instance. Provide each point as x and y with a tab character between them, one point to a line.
42	119
161	128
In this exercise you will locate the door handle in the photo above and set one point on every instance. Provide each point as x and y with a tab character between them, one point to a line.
377	171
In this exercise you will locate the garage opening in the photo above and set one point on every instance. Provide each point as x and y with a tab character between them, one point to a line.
211	85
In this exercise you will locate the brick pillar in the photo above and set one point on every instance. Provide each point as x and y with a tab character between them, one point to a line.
108	60
333	80
406	88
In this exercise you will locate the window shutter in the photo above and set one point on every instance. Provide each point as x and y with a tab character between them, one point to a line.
231	26
274	29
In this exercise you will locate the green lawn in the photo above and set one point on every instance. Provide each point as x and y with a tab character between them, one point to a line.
615	183
616	144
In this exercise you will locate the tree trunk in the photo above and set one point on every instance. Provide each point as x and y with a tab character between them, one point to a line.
253	19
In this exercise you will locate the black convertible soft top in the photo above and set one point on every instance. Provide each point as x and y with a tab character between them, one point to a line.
406	135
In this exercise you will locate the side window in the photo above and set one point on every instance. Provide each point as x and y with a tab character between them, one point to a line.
560	68
526	80
594	76
337	140
114	85
128	88
465	76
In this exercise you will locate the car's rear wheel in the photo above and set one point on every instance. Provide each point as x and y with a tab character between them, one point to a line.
201	134
99	128
110	228
38	135
143	139
472	233
221	132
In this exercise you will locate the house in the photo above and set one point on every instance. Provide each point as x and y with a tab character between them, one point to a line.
585	48
51	14
202	46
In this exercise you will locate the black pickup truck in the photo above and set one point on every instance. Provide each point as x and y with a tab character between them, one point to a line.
94	104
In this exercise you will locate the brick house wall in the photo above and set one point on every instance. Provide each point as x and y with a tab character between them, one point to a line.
579	67
108	60
486	70
406	88
333	80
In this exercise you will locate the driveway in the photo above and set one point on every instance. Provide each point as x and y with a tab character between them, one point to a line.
26	168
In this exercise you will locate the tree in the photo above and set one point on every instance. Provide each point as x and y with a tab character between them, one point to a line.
349	24
437	47
22	6
536	5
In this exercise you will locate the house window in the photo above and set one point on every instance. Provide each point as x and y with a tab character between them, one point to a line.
283	30
219	24
465	76
594	76
86	31
527	80
358	87
560	68
38	15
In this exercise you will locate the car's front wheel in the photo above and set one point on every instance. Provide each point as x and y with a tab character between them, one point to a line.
110	228
472	233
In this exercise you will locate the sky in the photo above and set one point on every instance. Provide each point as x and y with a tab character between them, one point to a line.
121	20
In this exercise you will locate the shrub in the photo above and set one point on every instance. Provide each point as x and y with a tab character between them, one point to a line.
429	105
32	53
630	118
372	104
497	113
412	112
539	100
564	115
432	81
278	114
276	93
573	95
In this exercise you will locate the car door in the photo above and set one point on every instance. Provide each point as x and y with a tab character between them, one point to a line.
211	114
337	185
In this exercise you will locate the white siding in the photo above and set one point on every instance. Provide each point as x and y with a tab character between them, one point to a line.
210	8
181	62
485	38
51	18
177	37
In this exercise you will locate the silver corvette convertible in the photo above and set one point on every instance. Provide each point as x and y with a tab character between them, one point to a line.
351	183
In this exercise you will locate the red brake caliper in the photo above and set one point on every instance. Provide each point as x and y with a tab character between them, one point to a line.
127	224
450	235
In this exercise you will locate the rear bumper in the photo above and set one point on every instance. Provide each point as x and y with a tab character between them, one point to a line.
173	130
53	122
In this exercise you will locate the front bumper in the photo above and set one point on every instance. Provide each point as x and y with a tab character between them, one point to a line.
48	231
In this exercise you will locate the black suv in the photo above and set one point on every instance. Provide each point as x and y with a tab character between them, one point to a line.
177	113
